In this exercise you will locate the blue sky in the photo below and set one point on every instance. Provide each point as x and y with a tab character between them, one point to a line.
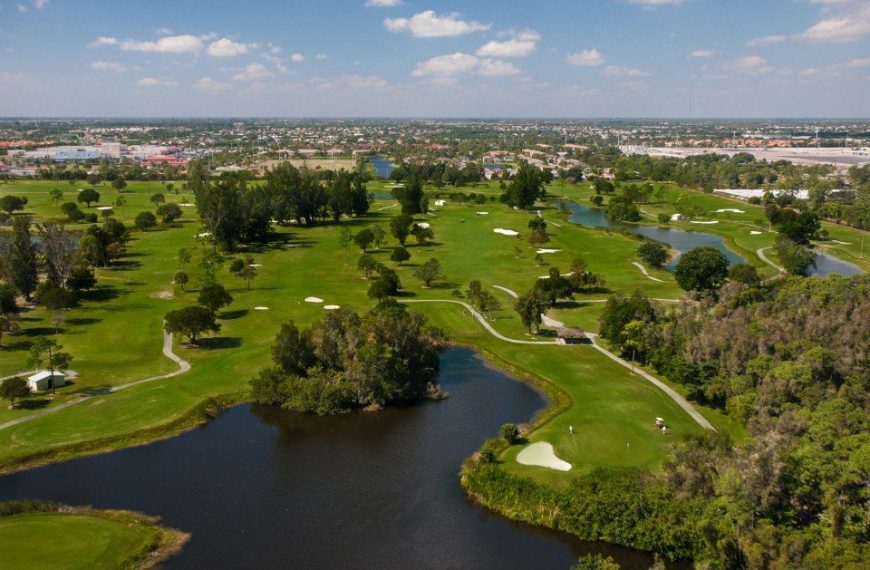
433	58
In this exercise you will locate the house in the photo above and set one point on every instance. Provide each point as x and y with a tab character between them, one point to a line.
46	380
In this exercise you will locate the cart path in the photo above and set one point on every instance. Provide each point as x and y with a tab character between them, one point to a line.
183	366
645	272
765	259
508	291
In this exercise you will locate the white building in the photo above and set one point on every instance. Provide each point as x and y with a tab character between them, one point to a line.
46	380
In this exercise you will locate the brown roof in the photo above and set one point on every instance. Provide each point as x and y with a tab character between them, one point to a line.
570	333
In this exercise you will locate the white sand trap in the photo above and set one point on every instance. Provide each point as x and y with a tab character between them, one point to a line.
187	205
705	222
313	300
840	242
331	307
754	232
256	265
735	210
552	322
543	250
505	232
261	308
541	454
104	208
481	213
292	245
203	234
423	225
569	274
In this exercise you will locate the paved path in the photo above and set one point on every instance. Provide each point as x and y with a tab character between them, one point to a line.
764	258
508	291
645	272
674	395
183	366
482	321
20	374
551	322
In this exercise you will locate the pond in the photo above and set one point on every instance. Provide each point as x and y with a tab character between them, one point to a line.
263	488
383	167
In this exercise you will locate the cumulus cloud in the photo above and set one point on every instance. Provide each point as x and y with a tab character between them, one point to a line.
253	72
766	41
103	41
702	53
112	66
588	57
209	84
846	28
862	62
184	43
808	72
383	3
508	48
750	65
452	65
428	24
226	47
653	3
321	56
40	4
155	82
356	81
621	71
297	57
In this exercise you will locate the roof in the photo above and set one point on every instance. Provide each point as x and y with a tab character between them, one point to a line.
42	375
570	333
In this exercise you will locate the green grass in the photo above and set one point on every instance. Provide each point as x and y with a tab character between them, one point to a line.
82	539
115	335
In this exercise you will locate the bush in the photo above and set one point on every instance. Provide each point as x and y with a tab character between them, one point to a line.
664	218
510	433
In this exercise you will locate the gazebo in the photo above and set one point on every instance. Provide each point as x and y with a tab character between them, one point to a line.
571	336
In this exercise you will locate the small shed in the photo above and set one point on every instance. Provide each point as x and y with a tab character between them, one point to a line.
676	217
572	336
46	380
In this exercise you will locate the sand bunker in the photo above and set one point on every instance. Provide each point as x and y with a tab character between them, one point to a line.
754	232
505	232
313	300
203	234
163	295
705	222
840	242
331	307
541	454
104	208
544	250
256	265
481	213
423	225
291	245
187	205
735	210
261	308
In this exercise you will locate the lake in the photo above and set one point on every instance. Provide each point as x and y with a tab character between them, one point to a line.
260	487
383	167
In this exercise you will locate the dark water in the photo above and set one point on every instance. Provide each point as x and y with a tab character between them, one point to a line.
827	264
383	167
262	488
679	240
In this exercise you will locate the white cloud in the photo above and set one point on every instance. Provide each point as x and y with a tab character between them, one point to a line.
103	41
297	57
652	3
154	82
587	57
356	81
226	47
321	56
808	72
112	66
383	3
184	43
509	48
21	8
845	28
448	66
253	72
620	71
209	84
16	78
163	31
751	65
40	4
766	41
428	24
703	53
863	62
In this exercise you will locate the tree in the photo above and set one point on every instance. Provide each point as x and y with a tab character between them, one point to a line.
56	195
93	179
214	297
411	197
530	307
157	199
428	272
191	322
181	278
292	350
169	212
378	234
183	257
119	183
399	255
9	310
10	204
88	196
538	236
248	271
345	237
526	187
509	432
145	221
595	562
400	227
597	200
619	311
385	285
81	278
702	269
653	253
121	202
60	251
364	239
72	212
47	353
796	259
20	264
367	264
14	389
743	273
422	233
56	298
621	209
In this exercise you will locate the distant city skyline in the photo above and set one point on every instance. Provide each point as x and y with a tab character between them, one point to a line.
406	58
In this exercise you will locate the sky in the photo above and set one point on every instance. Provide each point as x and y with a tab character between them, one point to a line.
435	58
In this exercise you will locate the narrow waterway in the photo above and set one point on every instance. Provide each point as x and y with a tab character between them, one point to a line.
383	167
263	488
